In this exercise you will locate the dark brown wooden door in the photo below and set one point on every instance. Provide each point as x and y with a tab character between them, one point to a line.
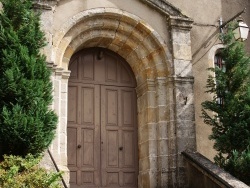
102	129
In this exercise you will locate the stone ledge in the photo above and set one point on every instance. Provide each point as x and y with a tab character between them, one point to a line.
179	79
165	7
44	5
176	18
180	23
211	171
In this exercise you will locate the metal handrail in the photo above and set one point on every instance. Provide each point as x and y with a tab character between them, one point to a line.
57	169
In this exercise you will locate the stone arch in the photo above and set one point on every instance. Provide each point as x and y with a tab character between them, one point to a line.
119	31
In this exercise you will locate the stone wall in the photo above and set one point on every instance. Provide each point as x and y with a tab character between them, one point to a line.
201	172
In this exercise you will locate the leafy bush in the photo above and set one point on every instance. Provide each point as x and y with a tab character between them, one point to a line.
18	172
239	165
27	124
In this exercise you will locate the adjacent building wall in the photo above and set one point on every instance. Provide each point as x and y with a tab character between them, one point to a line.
205	42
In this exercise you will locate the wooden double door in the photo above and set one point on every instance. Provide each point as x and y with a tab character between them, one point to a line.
102	126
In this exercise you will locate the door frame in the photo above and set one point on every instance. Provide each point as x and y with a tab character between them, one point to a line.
101	105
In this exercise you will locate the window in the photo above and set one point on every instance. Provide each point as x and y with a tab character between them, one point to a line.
219	62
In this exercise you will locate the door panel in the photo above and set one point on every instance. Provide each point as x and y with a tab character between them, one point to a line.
118	154
129	154
72	143
111	69
102	129
127	108
88	107
84	136
111	140
72	104
111	107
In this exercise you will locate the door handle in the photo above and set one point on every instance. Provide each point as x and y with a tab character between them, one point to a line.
79	146
121	148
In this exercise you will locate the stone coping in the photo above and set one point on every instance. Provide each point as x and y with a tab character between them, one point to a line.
166	8
212	171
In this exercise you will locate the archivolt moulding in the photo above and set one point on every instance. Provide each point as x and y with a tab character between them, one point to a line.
117	30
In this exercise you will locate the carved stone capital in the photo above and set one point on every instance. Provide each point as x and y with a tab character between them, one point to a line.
177	79
176	22
50	64
148	85
59	71
66	74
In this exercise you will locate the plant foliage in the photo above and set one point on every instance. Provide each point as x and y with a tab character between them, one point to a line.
17	172
230	121
26	122
239	164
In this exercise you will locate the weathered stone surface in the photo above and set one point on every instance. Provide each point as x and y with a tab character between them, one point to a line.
182	51
181	37
144	164
182	68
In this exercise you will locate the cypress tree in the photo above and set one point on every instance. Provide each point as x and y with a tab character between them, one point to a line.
230	121
27	125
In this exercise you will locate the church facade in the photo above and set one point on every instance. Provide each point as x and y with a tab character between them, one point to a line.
128	78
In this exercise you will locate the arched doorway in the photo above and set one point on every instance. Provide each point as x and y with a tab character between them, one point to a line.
102	125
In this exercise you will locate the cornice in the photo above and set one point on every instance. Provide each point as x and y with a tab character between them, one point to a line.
176	18
176	22
165	7
45	5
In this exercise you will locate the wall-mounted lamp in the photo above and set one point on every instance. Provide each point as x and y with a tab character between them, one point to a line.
241	31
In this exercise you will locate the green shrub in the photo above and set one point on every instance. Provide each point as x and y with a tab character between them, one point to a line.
18	172
239	165
27	123
230	120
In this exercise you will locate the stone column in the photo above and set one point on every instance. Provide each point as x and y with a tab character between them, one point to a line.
147	134
46	8
55	148
181	122
62	124
163	138
58	147
64	117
